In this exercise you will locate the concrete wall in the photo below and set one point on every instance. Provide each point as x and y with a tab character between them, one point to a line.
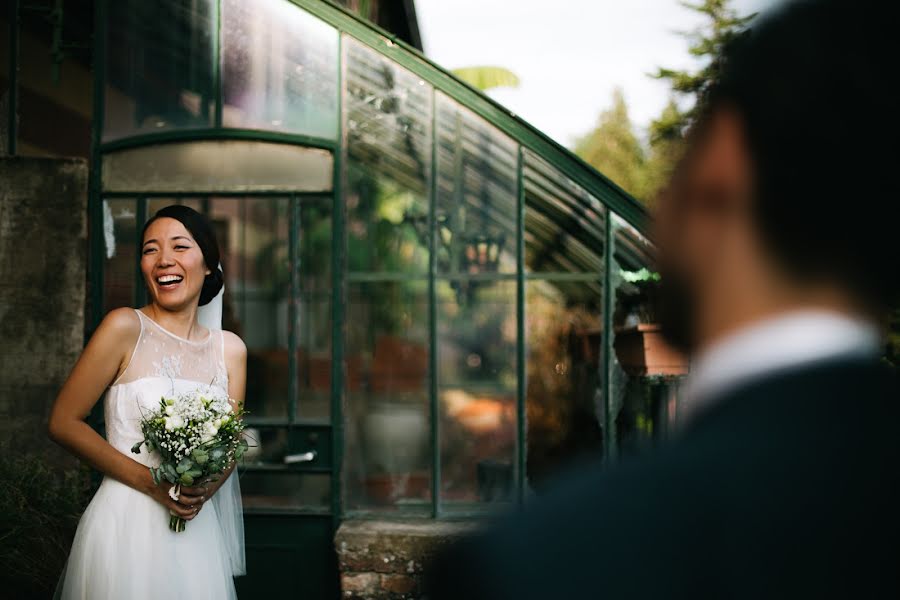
43	262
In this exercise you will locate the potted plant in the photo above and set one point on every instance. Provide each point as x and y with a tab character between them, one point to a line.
639	344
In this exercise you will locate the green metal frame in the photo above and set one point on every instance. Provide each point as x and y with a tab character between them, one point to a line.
12	125
527	138
410	58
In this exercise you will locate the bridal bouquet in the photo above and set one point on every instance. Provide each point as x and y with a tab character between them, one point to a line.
197	435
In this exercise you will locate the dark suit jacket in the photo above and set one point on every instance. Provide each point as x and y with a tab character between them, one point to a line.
784	487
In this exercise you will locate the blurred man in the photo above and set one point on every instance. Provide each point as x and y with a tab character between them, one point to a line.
778	258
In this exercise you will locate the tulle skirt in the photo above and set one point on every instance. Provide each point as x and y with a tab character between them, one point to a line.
123	549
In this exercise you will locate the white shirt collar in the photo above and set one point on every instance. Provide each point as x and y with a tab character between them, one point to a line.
787	340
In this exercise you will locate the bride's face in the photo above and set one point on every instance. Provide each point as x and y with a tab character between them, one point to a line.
172	264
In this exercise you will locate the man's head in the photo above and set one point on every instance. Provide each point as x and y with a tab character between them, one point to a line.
783	197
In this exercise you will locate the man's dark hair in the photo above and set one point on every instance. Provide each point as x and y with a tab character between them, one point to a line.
814	84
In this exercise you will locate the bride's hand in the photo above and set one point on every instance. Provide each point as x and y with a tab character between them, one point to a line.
193	497
187	506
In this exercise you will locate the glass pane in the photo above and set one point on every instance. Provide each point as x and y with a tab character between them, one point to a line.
279	68
564	225
646	372
477	391
388	128
314	310
218	166
387	437
477	200
564	333
285	489
121	269
159	66
156	203
254	243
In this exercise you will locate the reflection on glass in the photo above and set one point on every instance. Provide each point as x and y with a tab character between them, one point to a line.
388	127
475	217
279	68
313	324
253	236
218	166
122	266
564	329
285	489
646	372
564	225
387	456
477	391
160	66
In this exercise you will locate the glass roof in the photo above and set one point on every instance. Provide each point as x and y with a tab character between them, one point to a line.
278	68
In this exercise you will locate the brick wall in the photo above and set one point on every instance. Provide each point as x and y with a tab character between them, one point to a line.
385	560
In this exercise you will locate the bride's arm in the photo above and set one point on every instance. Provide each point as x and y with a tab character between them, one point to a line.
95	369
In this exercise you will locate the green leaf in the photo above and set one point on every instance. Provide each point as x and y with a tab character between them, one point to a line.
136	449
487	77
200	456
184	465
186	479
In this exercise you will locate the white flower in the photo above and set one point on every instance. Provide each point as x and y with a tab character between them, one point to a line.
209	431
174	422
170	410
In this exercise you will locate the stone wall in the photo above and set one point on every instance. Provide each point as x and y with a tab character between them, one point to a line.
385	560
43	254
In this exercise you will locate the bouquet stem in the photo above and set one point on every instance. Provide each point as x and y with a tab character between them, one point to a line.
176	524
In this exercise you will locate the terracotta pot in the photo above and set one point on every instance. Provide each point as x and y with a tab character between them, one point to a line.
641	350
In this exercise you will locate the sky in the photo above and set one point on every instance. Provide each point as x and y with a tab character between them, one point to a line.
569	54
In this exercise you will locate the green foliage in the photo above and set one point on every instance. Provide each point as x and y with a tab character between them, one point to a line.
614	149
487	77
643	274
707	42
39	511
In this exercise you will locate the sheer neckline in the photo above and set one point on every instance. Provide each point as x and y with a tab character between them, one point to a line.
177	337
199	383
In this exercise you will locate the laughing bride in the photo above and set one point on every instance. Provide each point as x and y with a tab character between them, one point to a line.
123	547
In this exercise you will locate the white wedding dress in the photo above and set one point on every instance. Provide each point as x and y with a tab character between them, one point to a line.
123	548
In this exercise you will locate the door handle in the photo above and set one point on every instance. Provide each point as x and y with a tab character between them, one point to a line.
300	458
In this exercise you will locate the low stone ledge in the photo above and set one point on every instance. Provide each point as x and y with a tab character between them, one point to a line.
385	560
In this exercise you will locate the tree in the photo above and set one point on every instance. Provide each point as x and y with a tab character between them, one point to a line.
707	43
614	149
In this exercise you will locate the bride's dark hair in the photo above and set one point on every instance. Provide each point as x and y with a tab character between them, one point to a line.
205	236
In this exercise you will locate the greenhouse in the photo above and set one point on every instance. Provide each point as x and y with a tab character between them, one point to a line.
426	284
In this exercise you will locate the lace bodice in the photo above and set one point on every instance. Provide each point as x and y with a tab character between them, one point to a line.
161	363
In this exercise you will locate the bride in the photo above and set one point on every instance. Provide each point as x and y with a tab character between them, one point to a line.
123	547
